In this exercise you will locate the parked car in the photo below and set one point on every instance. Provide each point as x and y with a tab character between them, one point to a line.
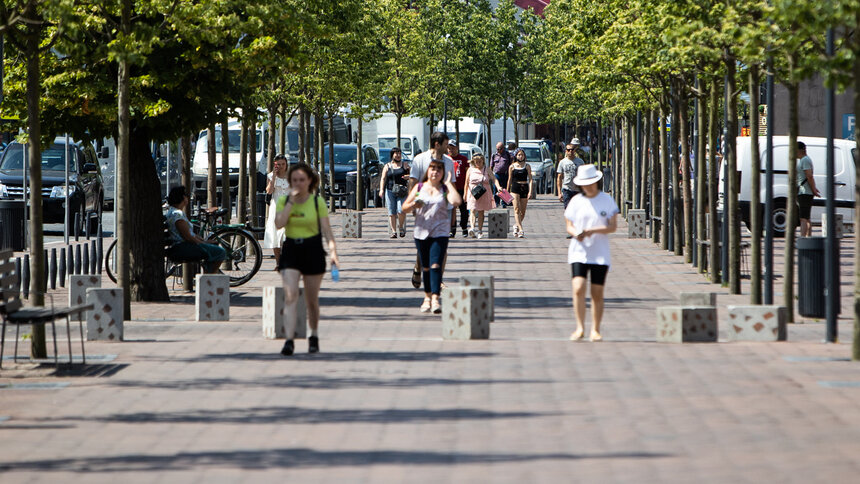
345	156
409	144
844	157
86	188
540	159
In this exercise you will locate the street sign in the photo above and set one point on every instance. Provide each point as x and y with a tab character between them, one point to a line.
849	123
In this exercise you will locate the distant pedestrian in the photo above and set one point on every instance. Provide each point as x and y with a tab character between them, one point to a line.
394	189
304	217
500	162
520	185
278	186
806	190
461	166
430	200
590	217
479	176
566	170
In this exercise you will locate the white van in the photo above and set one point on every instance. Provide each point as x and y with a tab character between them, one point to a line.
845	156
200	164
409	144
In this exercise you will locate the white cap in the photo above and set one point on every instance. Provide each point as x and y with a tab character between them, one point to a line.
574	141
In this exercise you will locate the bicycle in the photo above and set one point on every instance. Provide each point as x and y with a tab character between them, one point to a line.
244	255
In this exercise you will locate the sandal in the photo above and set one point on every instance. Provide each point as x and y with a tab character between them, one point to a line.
425	307
436	307
393	235
402	232
416	279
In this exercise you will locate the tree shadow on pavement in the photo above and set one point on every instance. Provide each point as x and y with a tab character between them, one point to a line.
341	356
291	458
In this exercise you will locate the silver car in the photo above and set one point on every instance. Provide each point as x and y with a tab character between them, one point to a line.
540	160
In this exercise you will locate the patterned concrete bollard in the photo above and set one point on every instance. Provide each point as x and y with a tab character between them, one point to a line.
352	225
273	314
212	300
677	324
78	286
839	226
498	223
104	321
465	313
758	323
698	299
636	228
482	281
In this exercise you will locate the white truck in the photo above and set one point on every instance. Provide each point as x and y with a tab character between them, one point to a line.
845	157
474	132
200	163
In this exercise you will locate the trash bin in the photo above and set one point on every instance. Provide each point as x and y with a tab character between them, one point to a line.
261	210
812	301
351	182
12	221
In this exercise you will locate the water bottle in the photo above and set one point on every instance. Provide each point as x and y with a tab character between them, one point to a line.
335	274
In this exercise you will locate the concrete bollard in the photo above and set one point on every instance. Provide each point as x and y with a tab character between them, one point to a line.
498	223
104	321
465	313
212	298
78	286
273	314
678	324
351	225
758	323
482	282
698	299
636	228
839	226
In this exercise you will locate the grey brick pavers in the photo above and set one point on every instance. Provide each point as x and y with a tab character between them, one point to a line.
388	401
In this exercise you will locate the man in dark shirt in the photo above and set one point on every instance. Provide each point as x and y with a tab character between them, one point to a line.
499	163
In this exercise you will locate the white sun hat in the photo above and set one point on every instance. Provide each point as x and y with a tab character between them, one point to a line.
586	175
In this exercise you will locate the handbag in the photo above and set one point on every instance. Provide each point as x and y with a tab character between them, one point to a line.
478	191
400	191
505	196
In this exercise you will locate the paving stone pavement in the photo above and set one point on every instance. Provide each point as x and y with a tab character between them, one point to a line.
388	401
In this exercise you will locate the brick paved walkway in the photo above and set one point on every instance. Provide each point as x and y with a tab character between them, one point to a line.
387	400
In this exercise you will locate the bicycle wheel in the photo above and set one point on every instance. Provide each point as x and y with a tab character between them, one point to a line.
244	255
110	261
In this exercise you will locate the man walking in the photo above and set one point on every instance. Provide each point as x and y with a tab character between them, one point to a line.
806	189
567	167
499	163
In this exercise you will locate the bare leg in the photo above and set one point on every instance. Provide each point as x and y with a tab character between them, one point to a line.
805	227
277	252
291	296
392	224
312	300
596	311
524	202
517	203
402	217
578	284
480	220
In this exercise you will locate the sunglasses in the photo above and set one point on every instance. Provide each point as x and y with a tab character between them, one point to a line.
568	149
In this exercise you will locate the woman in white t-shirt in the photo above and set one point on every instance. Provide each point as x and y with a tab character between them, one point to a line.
590	218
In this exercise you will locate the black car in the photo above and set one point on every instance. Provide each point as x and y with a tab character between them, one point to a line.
345	156
86	189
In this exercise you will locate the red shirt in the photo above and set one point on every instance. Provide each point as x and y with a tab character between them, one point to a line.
461	165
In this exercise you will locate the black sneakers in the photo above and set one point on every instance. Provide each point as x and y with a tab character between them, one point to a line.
288	348
313	344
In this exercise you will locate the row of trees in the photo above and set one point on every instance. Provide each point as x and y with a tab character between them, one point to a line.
656	60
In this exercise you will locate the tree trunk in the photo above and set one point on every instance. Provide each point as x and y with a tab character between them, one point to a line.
318	141
701	178
677	199
212	178
791	204
599	148
122	179
855	352
399	120
713	183
242	195
282	129
187	181
359	161
653	173
225	164
302	134
664	177
273	134
686	186
38	281
733	188
629	149
146	257
643	164
755	190
331	163
252	168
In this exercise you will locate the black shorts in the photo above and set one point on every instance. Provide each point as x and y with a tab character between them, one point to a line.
521	189
804	204
304	255
598	272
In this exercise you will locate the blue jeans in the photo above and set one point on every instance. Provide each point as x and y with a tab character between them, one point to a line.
189	251
394	204
431	251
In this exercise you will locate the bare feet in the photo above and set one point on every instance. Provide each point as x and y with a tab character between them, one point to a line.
595	336
577	335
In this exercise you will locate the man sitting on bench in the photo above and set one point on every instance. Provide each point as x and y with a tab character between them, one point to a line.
185	244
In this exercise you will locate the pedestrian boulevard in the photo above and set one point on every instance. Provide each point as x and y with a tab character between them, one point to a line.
387	400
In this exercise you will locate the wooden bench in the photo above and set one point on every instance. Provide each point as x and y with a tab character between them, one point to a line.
13	313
